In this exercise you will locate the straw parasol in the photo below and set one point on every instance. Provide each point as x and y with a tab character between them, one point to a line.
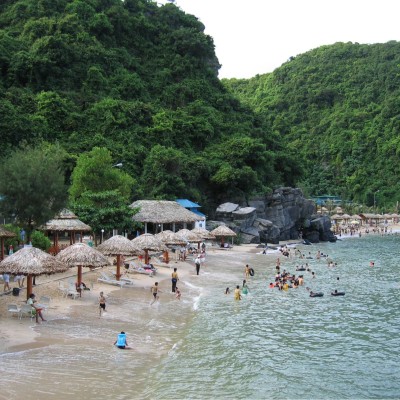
169	237
81	255
65	221
203	233
30	262
189	236
118	246
4	234
147	242
223	231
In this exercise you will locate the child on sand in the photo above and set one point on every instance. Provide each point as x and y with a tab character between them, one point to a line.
102	303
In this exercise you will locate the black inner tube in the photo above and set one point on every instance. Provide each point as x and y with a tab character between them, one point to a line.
338	294
251	271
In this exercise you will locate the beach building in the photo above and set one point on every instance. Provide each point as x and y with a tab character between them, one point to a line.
158	215
194	208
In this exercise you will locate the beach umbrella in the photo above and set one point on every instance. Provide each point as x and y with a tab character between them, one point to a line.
169	238
147	242
4	234
189	236
118	246
203	233
223	231
30	262
81	255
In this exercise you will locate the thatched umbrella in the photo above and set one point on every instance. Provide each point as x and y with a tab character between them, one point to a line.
118	246
169	238
65	221
147	242
81	255
4	234
189	236
30	262
223	231
203	233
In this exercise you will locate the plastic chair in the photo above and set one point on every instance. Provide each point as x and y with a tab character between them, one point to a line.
27	310
13	309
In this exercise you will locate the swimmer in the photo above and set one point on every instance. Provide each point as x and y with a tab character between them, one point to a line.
177	293
227	290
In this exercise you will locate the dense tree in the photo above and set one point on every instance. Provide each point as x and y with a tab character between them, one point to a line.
95	172
104	210
32	185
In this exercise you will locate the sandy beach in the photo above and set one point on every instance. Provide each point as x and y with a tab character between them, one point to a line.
19	334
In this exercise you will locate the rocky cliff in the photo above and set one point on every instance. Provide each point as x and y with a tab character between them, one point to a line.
285	214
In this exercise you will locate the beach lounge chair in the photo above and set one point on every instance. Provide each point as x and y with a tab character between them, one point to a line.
13	309
45	301
123	278
27	311
62	289
111	281
140	269
72	292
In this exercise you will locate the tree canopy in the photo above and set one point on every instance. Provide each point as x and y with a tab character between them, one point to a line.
32	185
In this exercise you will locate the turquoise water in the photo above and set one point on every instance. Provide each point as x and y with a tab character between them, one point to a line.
273	344
277	344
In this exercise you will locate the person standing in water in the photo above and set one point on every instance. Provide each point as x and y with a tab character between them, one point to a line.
247	271
237	295
155	290
174	280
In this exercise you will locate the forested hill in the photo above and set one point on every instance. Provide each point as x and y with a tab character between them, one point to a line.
141	80
338	106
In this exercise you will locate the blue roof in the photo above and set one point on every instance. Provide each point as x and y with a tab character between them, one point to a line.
187	203
198	212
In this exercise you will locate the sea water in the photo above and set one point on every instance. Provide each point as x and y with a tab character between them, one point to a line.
272	344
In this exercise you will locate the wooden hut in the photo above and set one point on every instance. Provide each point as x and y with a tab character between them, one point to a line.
162	212
65	221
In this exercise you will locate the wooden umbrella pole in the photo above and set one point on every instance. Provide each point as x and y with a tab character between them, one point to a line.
146	256
28	286
166	256
79	276
118	274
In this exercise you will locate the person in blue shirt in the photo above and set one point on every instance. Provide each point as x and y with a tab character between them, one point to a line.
121	341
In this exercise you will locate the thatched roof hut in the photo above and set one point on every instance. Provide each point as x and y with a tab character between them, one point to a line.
118	246
3	235
65	221
81	255
31	261
163	212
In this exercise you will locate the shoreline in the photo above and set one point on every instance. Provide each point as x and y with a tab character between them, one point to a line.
21	335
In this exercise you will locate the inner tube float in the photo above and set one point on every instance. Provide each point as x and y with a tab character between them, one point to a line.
318	294
251	272
300	269
338	293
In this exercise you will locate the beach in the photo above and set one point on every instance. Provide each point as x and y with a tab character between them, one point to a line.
199	345
18	334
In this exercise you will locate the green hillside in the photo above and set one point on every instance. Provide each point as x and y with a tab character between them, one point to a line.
338	106
142	81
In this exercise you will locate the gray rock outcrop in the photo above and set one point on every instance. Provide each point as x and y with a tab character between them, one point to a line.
282	215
